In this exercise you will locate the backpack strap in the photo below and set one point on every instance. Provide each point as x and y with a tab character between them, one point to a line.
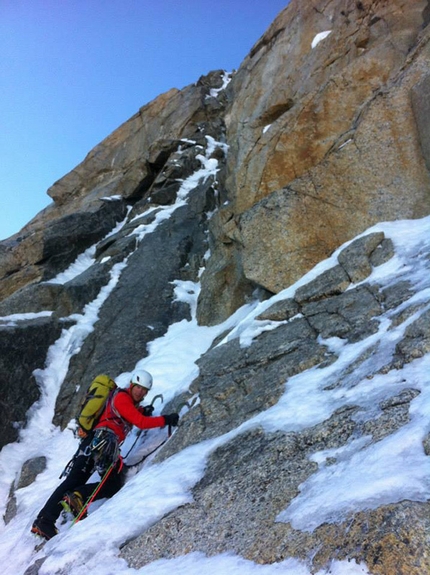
110	413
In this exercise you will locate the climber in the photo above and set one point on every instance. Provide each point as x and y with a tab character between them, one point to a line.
99	451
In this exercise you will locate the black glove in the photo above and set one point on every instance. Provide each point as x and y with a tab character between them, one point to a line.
147	410
171	419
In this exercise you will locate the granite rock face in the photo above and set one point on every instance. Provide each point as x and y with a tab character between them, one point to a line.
135	162
239	185
338	142
23	348
85	217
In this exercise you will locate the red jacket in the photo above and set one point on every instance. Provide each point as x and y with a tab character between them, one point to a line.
121	413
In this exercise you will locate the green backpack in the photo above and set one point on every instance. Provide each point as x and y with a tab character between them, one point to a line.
93	404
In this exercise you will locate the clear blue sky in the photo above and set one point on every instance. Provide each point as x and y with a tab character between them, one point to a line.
74	70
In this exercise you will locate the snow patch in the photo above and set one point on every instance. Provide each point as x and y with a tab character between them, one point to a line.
319	37
226	79
11	320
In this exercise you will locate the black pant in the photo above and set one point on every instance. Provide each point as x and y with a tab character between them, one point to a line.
82	468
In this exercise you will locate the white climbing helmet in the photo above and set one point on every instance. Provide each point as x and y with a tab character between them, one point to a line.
142	378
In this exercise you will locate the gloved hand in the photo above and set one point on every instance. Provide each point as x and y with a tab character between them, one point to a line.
171	419
147	410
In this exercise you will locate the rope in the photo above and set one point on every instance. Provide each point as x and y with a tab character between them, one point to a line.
150	453
138	434
96	490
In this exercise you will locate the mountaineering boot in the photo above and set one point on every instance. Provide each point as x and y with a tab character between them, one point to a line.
73	503
44	528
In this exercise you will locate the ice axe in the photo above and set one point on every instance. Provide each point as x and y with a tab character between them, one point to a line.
190	404
158	396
